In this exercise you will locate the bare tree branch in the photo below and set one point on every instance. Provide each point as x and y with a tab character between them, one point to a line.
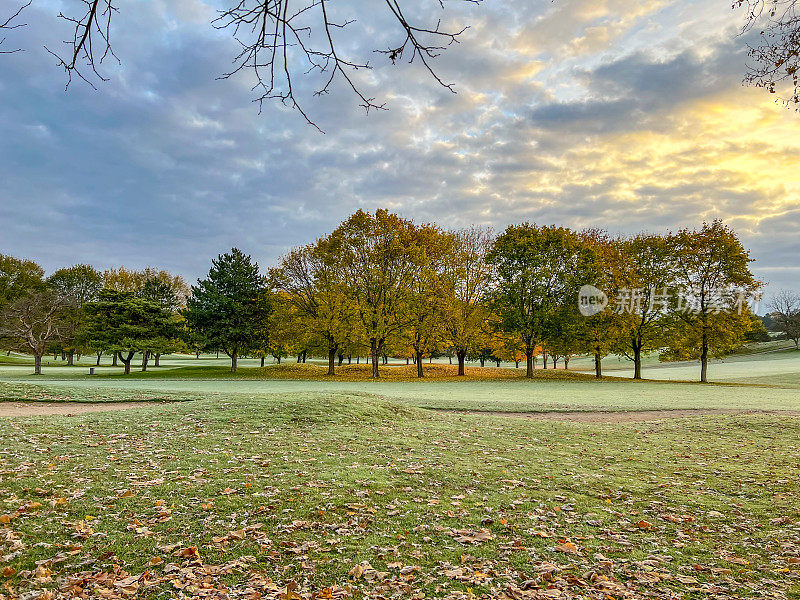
9	24
777	57
279	41
94	25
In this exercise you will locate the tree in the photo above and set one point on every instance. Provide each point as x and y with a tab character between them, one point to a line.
77	285
18	276
424	304
466	283
775	61
709	312
124	324
314	284
32	322
278	42
785	307
377	255
539	270
170	293
228	306
644	267
123	280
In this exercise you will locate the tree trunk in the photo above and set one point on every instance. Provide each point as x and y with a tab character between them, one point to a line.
544	360
126	362
418	357
234	361
373	349
37	364
450	358
637	360
71	358
358	359
349	359
263	358
566	363
704	359
305	353
483	362
516	363
197	355
145	358
158	359
598	365
461	354
341	358
99	354
332	361
114	362
217	353
278	358
529	361
498	364
299	356
408	361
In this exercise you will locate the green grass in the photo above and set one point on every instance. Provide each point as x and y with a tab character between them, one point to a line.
314	484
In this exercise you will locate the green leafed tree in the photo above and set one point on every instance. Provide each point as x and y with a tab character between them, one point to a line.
539	271
125	323
228	307
77	285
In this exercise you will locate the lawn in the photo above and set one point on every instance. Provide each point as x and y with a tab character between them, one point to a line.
305	488
312	495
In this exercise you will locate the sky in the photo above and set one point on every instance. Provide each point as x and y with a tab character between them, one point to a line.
627	115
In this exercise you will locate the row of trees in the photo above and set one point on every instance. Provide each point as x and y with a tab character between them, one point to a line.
380	285
79	309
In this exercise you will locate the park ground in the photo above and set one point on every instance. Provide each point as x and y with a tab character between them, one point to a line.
282	483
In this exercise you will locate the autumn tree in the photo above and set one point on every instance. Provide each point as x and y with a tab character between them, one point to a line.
709	310
313	282
539	270
644	267
33	321
377	254
785	307
466	283
424	306
775	59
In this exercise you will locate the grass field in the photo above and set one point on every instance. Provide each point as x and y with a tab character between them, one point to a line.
291	489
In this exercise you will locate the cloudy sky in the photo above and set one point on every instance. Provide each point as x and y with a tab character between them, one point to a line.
623	114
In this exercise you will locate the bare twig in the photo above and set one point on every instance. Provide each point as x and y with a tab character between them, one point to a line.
278	42
9	24
776	60
94	24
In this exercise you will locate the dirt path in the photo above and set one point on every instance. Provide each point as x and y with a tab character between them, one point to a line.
34	409
623	416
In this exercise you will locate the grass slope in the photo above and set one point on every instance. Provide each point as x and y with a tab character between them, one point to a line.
327	495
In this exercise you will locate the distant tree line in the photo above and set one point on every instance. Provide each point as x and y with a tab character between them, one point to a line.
380	286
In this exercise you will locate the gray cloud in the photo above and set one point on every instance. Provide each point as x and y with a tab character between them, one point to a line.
166	165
